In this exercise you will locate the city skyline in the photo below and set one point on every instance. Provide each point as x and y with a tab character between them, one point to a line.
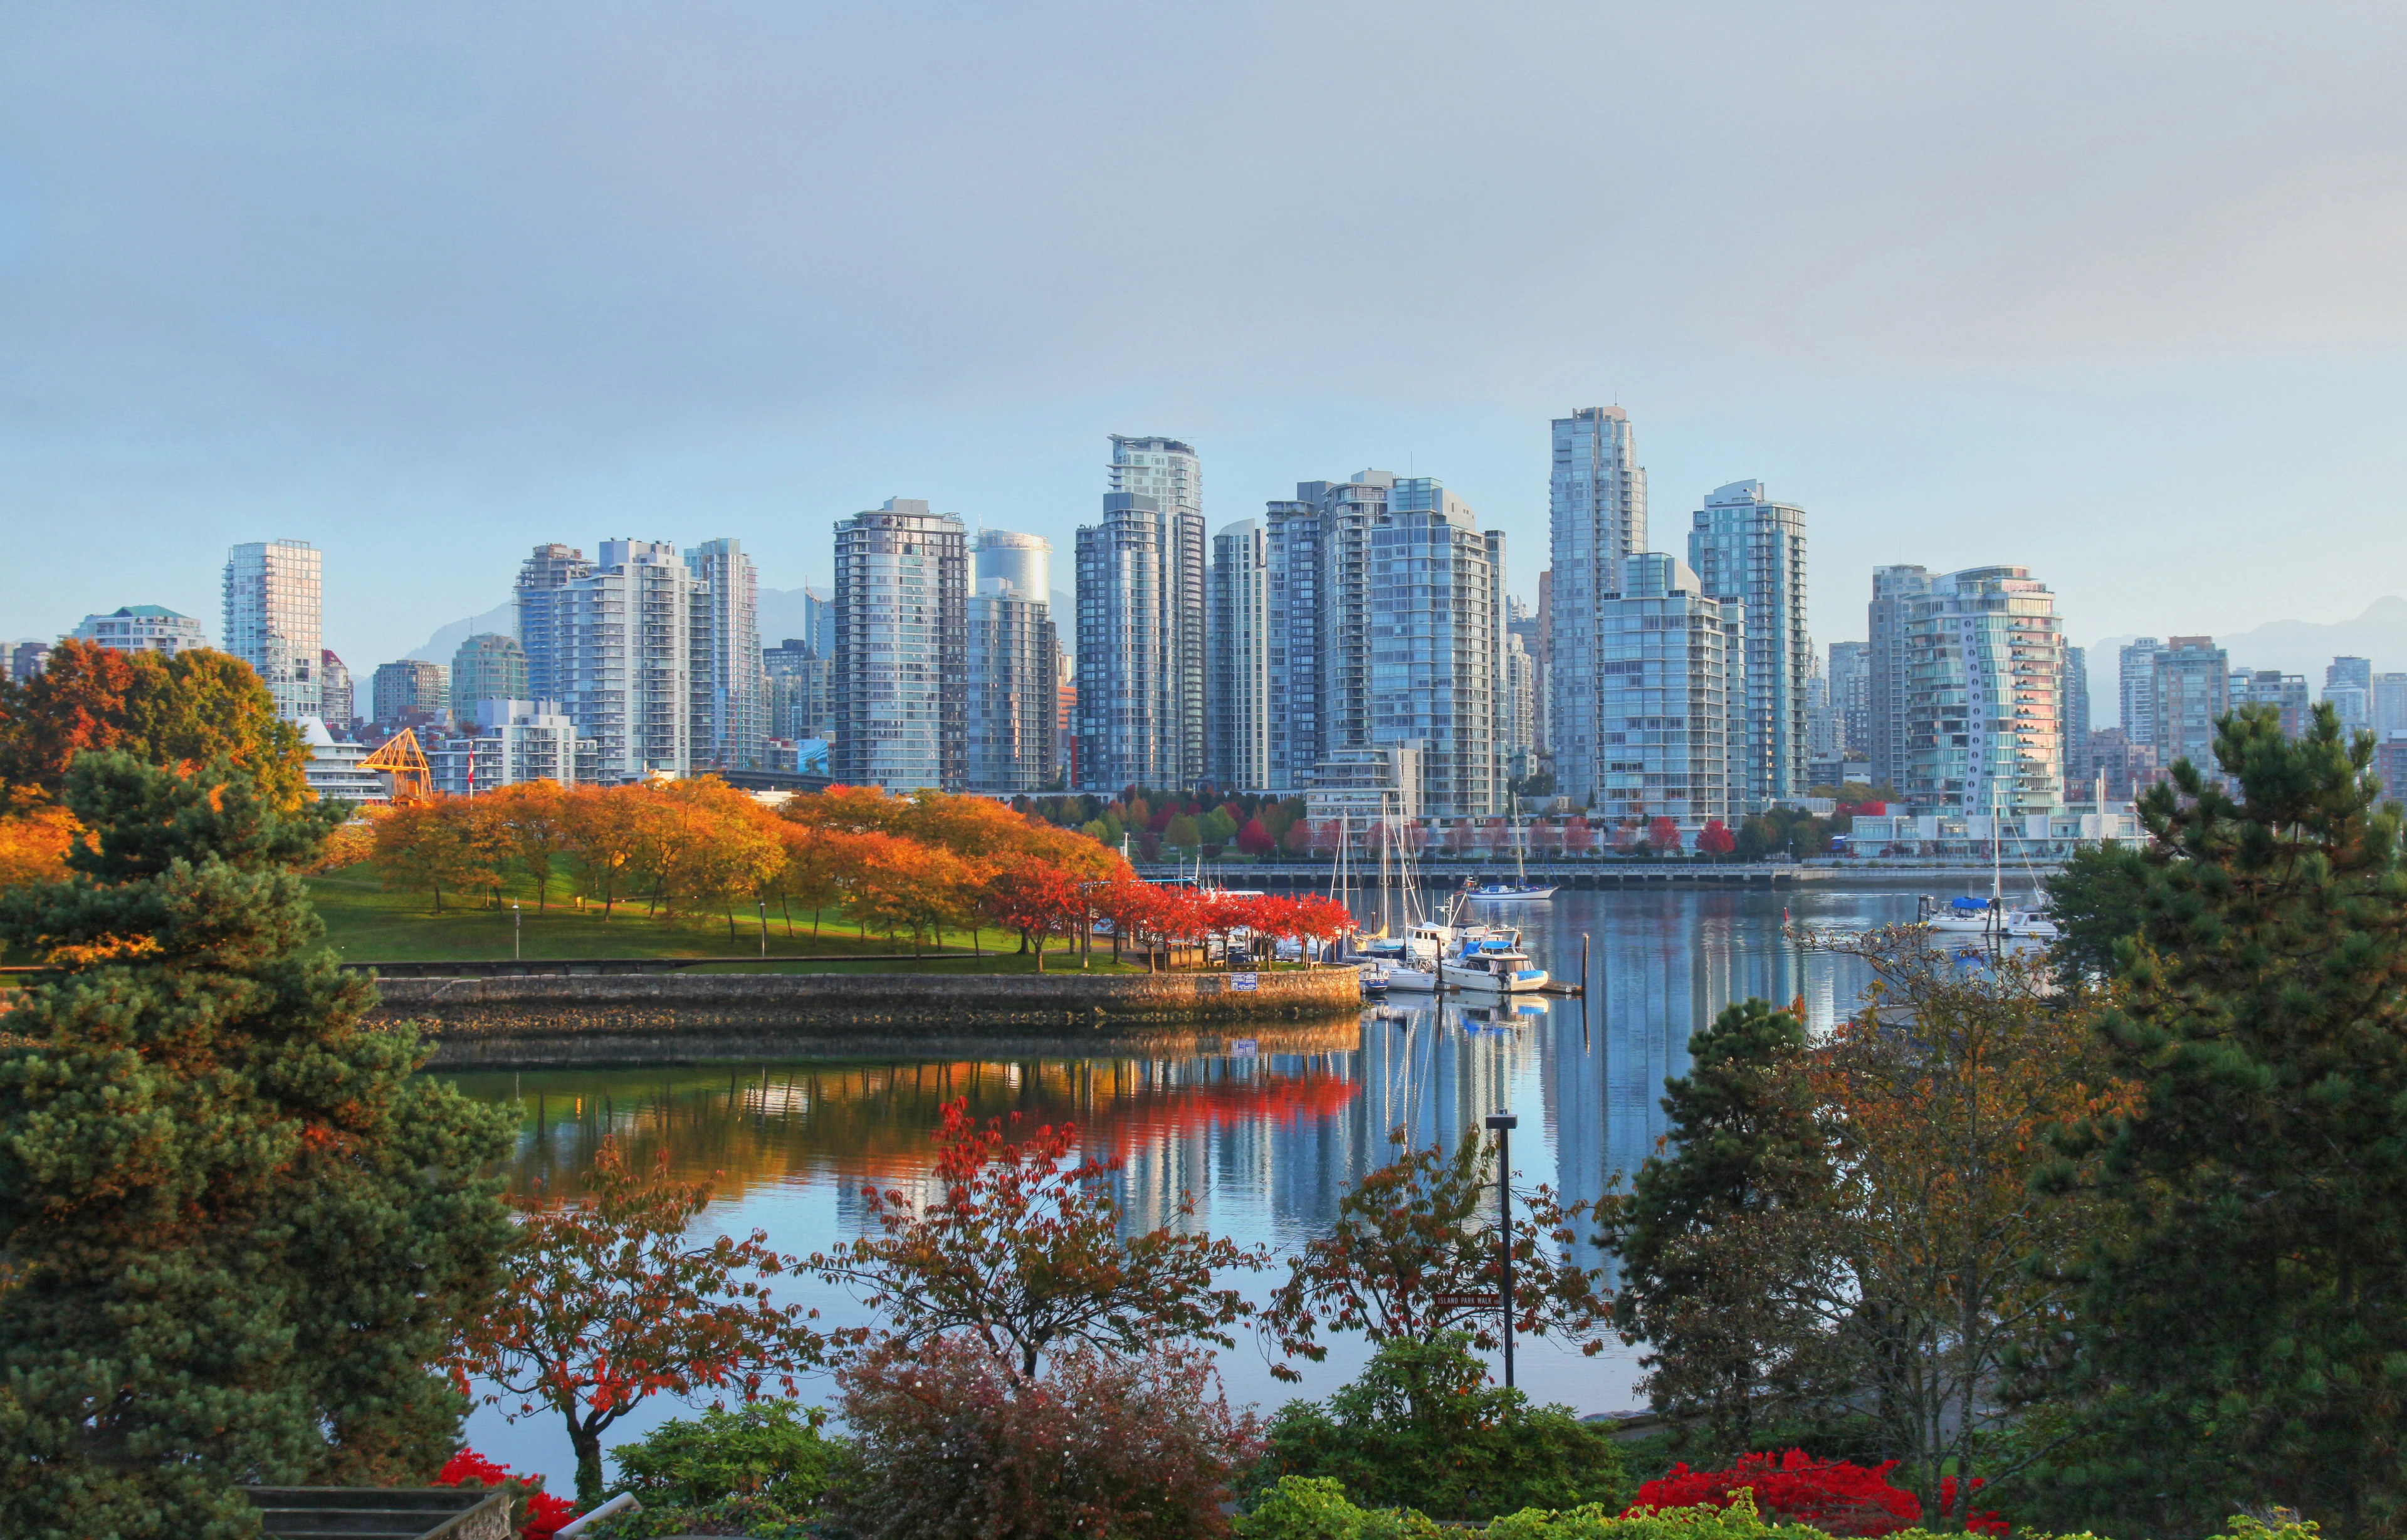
286	280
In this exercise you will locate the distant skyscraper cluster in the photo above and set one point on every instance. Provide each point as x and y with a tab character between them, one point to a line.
1357	644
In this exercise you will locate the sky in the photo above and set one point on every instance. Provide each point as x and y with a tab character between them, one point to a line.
2114	292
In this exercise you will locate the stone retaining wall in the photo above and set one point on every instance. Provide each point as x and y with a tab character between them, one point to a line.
503	1024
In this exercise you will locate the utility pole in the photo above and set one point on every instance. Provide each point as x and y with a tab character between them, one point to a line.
1502	1123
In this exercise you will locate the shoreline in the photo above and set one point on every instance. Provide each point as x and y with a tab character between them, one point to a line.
588	1019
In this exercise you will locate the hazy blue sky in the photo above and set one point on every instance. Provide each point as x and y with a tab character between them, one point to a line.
2117	292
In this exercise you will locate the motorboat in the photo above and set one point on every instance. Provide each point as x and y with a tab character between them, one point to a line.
1487	961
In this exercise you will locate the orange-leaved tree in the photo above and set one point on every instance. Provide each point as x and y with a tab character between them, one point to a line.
532	818
1024	1250
1414	1255
894	884
610	1302
605	839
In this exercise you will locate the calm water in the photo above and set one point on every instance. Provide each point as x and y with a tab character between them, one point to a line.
1266	1133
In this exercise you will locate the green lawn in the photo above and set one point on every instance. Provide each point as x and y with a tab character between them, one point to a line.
366	923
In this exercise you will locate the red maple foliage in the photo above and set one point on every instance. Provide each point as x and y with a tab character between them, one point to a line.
1833	1495
542	1514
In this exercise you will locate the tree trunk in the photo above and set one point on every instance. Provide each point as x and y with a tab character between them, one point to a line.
788	911
1040	952
731	924
588	1444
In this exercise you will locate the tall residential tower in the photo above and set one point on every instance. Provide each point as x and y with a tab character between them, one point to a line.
272	612
1597	517
1749	548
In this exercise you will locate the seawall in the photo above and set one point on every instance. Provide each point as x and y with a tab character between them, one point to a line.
523	1023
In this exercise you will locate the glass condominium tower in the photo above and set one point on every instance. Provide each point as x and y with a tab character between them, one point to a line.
1983	663
272	620
1597	517
1167	472
1746	546
902	648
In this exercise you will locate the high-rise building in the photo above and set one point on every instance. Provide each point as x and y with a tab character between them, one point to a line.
1672	697
2389	702
410	693
1596	516
1518	740
487	667
626	631
1014	683
2125	767
1895	592
902	647
2073	696
801	690
1851	698
1319	654
543	581
27	659
1743	545
1436	652
2348	684
2285	692
819	621
143	628
2137	682
1125	729
272	611
1527	625
1542	648
730	718
2191	689
1239	688
1167	471
338	698
1985	659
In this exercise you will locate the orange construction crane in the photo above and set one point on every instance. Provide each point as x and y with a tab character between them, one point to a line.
413	779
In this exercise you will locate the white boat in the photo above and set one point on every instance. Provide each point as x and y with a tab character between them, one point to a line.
1969	916
1506	892
1488	961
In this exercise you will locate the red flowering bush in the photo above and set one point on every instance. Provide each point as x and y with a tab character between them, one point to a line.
1831	1495
539	1514
1987	1522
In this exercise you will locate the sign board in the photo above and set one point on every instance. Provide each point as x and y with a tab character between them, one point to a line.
1244	1047
1244	981
1470	1302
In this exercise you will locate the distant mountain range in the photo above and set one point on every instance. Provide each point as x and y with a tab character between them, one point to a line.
2294	647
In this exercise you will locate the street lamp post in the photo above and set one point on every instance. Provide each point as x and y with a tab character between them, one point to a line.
517	920
764	925
1502	1123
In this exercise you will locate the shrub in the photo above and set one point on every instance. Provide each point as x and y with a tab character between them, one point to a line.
955	1442
1311	1507
757	1518
1737	1519
1422	1426
1831	1495
768	1449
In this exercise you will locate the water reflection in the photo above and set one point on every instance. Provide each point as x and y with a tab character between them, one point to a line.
1265	1132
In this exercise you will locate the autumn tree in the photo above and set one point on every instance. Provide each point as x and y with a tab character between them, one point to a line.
605	839
239	1226
1023	1251
2240	1331
186	711
1722	1230
894	884
610	1302
1939	1092
1039	901
1414	1256
532	819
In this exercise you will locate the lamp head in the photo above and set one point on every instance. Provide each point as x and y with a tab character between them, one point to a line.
1501	1119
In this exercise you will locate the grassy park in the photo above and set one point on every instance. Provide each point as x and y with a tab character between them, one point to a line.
367	922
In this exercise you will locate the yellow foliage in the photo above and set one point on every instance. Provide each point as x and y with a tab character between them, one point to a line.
33	845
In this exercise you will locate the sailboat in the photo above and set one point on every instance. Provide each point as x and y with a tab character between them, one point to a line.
1521	889
1969	916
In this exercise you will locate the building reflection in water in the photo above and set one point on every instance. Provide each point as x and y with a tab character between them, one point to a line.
1264	1134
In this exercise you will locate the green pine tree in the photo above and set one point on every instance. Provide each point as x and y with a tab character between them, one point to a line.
2241	1339
1707	1221
238	1230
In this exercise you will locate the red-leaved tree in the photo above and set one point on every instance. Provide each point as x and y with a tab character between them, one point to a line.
610	1303
1037	899
1715	839
1414	1254
1022	1251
